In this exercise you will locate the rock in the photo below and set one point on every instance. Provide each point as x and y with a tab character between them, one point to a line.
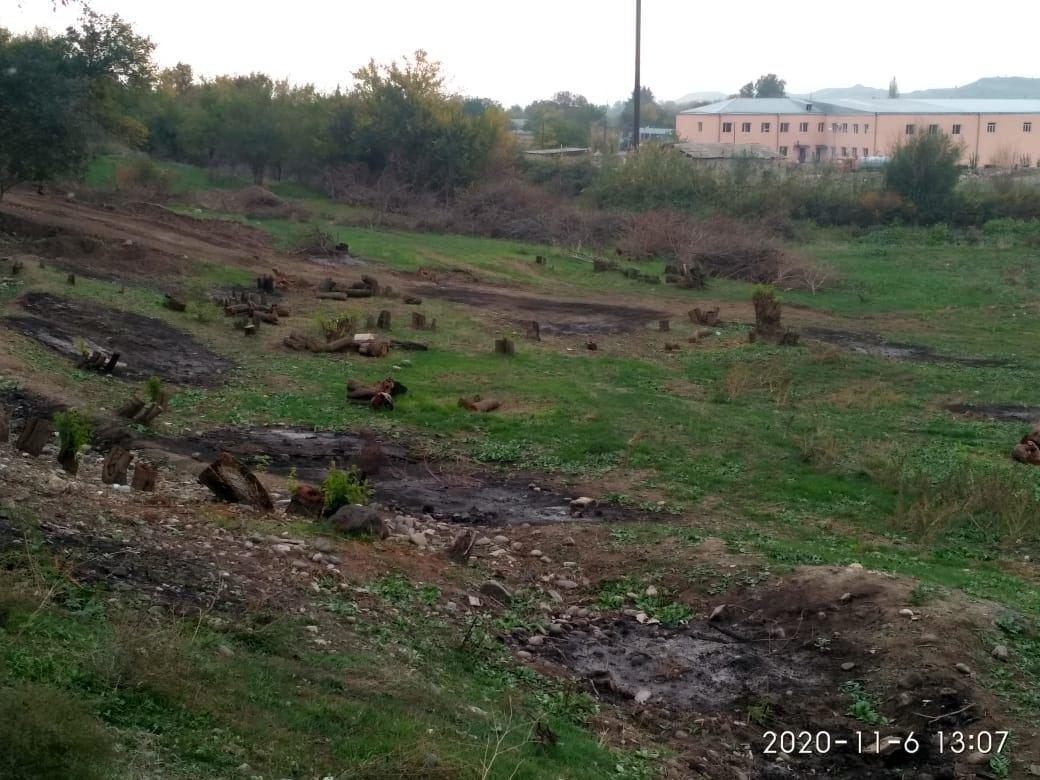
354	520
225	651
555	595
845	597
1001	653
322	544
282	549
516	546
535	553
497	591
556	629
962	668
419	540
483	541
566	584
651	591
583	505
848	666
978	758
545	559
311	629
536	641
1034	770
498	553
905	699
718	612
906	612
886	747
643	696
501	539
929	639
523	655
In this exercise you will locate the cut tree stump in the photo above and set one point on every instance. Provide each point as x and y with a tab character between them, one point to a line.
173	303
99	361
265	283
663	326
131	408
533	330
383	323
705	317
145	476
250	328
71	279
148	413
5	426
307	501
113	470
411	300
418	320
36	434
232	482
505	347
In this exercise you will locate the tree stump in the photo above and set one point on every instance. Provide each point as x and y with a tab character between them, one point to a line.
251	328
68	461
383	323
418	321
145	476
663	326
131	408
173	303
35	435
705	317
539	259
70	279
505	347
113	470
533	330
370	322
16	267
265	284
5	426
232	482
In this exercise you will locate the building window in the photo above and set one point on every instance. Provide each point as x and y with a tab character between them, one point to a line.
745	127
910	129
866	152
821	126
700	127
956	130
783	151
855	127
803	127
727	127
834	127
933	129
991	127
844	127
1027	127
855	152
765	127
785	127
844	151
866	128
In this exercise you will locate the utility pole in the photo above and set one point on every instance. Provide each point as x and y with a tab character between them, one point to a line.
635	94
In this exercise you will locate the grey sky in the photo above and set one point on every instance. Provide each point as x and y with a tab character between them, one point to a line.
518	52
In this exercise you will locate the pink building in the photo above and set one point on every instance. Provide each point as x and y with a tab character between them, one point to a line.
1001	133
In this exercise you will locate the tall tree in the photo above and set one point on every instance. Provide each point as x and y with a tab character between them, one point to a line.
893	88
767	86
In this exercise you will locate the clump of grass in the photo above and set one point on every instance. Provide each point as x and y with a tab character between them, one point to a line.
48	736
863	707
153	389
335	326
341	488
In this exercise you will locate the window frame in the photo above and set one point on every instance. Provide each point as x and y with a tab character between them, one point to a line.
785	127
745	127
991	127
803	127
910	130
727	127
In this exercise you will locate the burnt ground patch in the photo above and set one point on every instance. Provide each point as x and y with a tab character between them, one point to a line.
399	479
999	412
557	317
878	346
147	346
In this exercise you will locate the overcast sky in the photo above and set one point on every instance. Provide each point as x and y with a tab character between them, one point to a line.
520	51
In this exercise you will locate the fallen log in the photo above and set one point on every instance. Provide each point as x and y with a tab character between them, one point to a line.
269	317
664	326
113	470
99	361
378	396
412	346
375	348
418	321
478	404
533	330
411	300
35	435
130	409
145	477
300	342
237	308
147	414
230	481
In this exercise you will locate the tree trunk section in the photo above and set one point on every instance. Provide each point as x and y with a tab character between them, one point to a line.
145	476
35	435
5	426
232	482
504	347
113	470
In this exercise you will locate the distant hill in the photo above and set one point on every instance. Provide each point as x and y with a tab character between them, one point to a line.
837	93
993	87
701	97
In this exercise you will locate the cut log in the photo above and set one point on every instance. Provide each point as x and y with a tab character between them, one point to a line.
236	308
705	317
148	414
307	501
281	310
462	546
411	300
478	404
332	296
371	283
671	346
300	342
36	434
5	426
411	346
359	392
505	347
263	316
113	470
232	482
383	323
145	477
375	349
173	303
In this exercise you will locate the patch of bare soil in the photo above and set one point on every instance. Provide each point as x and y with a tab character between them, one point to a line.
878	346
999	412
146	346
554	316
400	480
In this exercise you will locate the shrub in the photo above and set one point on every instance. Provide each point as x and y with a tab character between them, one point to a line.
48	736
143	173
924	169
341	488
153	389
73	432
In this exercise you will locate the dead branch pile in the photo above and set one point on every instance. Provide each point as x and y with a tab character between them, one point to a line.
317	243
99	360
365	288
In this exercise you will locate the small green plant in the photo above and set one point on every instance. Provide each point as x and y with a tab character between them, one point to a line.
1000	765
760	712
923	593
863	707
576	706
261	461
82	348
153	389
335	326
345	487
73	434
292	482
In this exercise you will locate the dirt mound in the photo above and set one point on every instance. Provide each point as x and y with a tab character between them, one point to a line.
559	317
147	346
403	481
878	346
999	412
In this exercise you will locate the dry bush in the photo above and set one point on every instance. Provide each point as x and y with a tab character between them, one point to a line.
867	395
145	657
823	353
821	448
770	376
655	234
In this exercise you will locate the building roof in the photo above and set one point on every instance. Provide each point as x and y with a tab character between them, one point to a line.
868	106
699	151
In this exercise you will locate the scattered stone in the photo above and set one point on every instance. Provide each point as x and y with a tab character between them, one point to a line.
523	655
848	666
225	651
886	747
651	591
929	639
911	680
582	505
962	668
845	597
497	591
643	696
419	540
501	539
1000	652
906	612
354	519
536	641
978	758
566	584
718	612
555	596
535	553
556	629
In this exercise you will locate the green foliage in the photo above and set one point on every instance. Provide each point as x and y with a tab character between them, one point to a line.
341	488
73	431
47	735
576	706
863	707
924	169
153	389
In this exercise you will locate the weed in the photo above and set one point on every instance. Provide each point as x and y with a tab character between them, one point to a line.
153	389
1000	765
760	712
341	488
73	434
923	593
576	706
863	707
292	482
